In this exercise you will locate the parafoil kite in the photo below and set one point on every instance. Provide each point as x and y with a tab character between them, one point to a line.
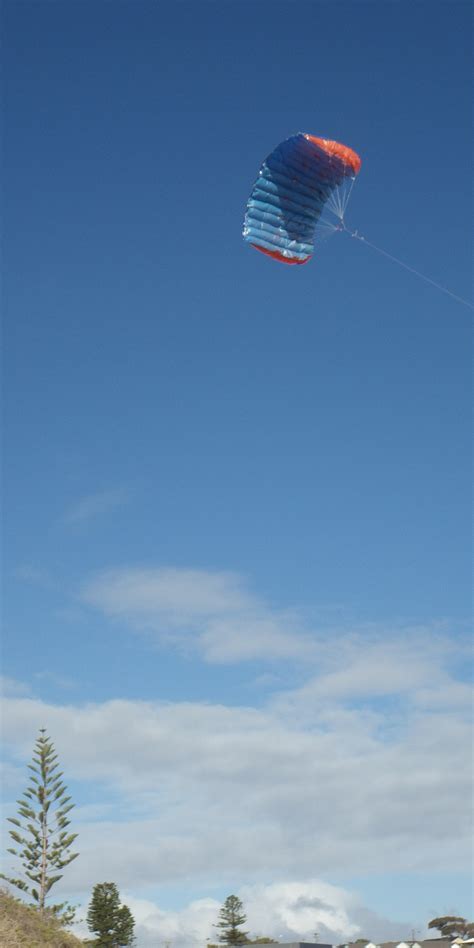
294	184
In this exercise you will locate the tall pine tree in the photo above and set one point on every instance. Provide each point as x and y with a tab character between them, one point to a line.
41	830
111	922
231	917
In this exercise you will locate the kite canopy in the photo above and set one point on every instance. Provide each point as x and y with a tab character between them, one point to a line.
292	188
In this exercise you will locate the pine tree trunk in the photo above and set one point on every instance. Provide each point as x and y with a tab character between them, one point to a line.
44	851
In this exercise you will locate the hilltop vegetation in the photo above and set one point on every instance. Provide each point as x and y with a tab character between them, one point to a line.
22	926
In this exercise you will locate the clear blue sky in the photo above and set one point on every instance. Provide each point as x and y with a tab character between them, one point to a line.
179	408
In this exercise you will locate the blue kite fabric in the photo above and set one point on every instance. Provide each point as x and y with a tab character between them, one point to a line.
292	187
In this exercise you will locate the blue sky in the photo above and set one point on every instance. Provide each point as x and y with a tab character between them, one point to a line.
234	490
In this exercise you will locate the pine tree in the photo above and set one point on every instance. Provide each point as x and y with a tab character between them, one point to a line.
125	926
231	916
41	830
453	926
111	922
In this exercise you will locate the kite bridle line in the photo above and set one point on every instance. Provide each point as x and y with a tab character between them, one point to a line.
337	205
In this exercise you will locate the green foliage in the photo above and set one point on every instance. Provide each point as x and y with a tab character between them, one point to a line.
42	838
263	940
231	917
125	926
453	926
260	940
111	922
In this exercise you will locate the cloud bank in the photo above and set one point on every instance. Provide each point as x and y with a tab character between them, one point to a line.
235	793
360	768
286	911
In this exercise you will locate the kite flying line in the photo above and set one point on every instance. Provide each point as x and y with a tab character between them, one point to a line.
401	263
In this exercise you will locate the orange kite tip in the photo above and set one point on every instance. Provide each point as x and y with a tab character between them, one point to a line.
347	155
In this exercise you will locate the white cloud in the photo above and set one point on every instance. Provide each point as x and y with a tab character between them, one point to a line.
212	612
59	681
35	576
215	614
286	911
10	686
294	911
177	594
408	671
451	694
95	504
190	926
12	778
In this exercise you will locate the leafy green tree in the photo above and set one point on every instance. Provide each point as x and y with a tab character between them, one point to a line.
41	832
231	917
453	926
111	922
